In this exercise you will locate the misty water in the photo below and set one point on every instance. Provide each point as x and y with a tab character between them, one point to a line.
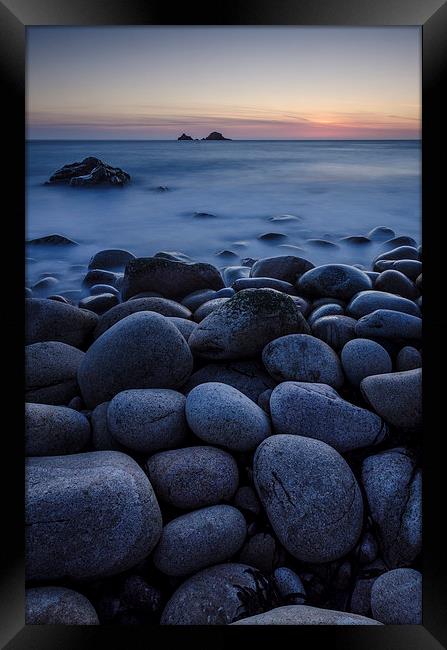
335	188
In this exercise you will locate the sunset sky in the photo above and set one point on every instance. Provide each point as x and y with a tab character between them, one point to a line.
247	82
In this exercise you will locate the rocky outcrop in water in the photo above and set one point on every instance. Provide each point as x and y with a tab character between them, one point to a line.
185	137
91	171
215	135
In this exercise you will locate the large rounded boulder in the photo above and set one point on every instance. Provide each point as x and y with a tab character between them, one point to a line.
334	281
51	320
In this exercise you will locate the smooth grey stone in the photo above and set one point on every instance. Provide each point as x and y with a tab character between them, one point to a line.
208	307
220	414
246	323
310	496
233	273
99	276
372	275
399	241
355	240
43	288
53	430
48	320
193	477
393	485
58	606
218	595
317	411
383	265
227	292
147	420
52	240
88	516
193	300
98	289
321	243
399	253
272	236
410	268
99	303
102	439
110	259
366	302
144	350
246	499
174	256
285	267
389	324
305	615
396	397
334	281
393	281
263	283
336	331
249	377
161	306
259	551
51	372
184	326
361	597
381	233
325	310
396	597
361	358
289	585
300	357
172	279
408	358
264	400
200	539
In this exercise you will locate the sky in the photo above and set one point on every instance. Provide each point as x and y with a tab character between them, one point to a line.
249	83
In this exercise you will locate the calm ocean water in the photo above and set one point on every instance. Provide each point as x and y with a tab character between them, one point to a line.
336	188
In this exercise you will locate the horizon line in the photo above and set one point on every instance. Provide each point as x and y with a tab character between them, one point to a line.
227	140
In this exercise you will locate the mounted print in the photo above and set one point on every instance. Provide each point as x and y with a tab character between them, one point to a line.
223	325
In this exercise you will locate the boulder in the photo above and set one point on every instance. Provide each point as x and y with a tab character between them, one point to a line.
285	267
381	233
334	281
54	430
366	302
184	326
51	372
396	397
171	278
100	303
246	323
208	307
331	309
305	615
393	281
48	320
52	240
99	276
310	496
87	516
410	268
260	552
263	283
392	484
396	597
193	300
193	477
200	539
88	172
147	420
317	411
408	358
58	606
300	357
361	358
102	439
335	330
389	324
144	350
111	259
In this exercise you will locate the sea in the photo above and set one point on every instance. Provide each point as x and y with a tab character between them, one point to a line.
214	200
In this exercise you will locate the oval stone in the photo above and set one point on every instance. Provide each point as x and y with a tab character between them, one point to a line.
334	281
51	372
336	331
389	324
283	267
396	597
368	301
51	320
54	430
361	358
305	615
58	606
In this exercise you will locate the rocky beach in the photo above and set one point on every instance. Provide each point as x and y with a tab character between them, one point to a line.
228	443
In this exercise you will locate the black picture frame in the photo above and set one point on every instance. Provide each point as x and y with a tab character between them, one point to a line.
15	16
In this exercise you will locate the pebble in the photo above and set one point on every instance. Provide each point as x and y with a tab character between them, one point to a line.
317	411
98	276
233	273
249	377
305	615
310	496
263	283
410	268
193	477
53	430
399	253
389	324
304	358
144	350
161	306
245	324
399	241
220	414
330	309
147	420
260	552
87	516
48	320
366	302
171	278
272	236
289	586
99	303
361	358
227	292
334	281
381	233
51	372
392	486
58	606
355	240
218	595
287	268
208	307
336	331
98	289
43	288
110	259
396	397
200	539
246	499
393	281
408	358
193	300
396	597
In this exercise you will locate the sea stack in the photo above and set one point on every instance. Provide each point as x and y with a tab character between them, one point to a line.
184	137
215	135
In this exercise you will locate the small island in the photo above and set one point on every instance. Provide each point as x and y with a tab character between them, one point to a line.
214	135
185	137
